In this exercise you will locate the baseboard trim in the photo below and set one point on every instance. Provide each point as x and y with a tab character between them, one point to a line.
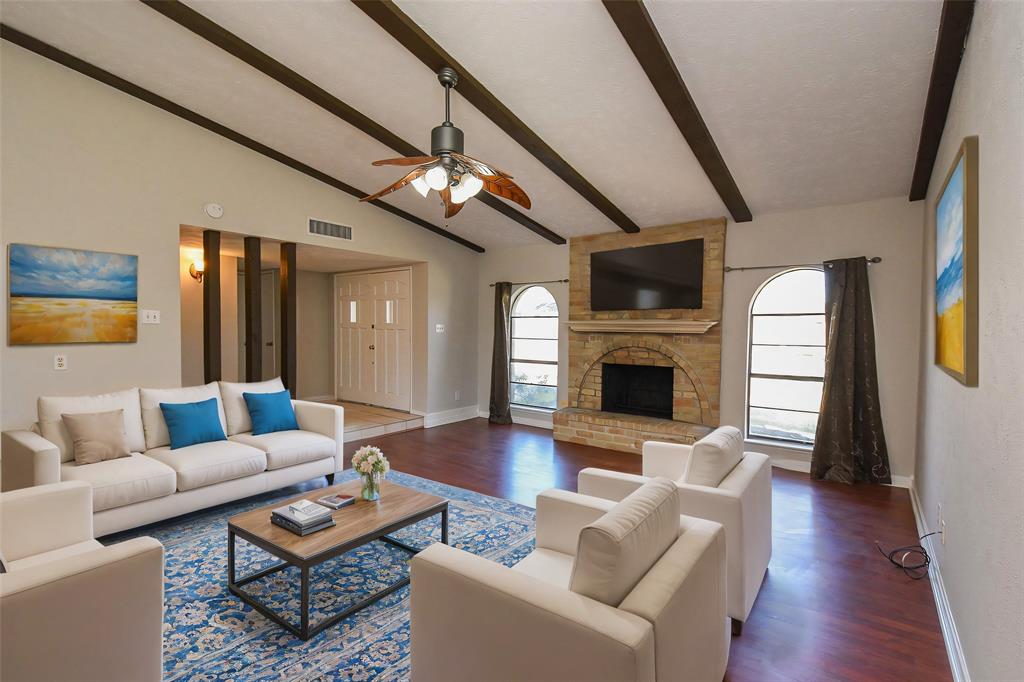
957	662
316	398
524	420
449	416
805	467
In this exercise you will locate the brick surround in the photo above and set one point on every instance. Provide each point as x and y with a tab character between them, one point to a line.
696	359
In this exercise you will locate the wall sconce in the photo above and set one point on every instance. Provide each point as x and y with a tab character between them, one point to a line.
196	269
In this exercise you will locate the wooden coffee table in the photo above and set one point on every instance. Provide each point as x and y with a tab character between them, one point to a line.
356	525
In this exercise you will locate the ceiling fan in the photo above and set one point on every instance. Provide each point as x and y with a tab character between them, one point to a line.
455	176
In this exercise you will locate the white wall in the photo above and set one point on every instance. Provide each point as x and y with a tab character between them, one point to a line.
85	166
888	228
315	320
521	264
971	440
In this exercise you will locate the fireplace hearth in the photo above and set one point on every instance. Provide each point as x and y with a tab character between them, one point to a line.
644	390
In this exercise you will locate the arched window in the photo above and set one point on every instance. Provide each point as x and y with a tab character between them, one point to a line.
534	367
787	356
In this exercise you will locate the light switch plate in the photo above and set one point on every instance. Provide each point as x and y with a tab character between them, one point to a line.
150	317
439	328
60	362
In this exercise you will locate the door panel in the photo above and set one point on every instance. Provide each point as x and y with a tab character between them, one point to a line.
374	348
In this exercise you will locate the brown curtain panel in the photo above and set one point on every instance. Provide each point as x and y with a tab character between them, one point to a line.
849	445
501	413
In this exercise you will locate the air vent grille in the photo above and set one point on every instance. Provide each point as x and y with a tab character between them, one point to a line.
322	227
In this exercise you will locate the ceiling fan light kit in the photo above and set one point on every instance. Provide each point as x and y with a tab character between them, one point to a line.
448	171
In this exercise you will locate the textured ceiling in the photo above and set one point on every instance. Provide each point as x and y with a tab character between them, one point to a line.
811	103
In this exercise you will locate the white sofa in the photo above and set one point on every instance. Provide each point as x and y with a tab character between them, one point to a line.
70	608
473	619
741	501
155	482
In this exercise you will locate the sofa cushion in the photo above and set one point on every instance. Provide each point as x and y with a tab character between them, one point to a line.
59	554
554	568
287	448
714	456
618	549
51	426
153	419
98	436
235	409
117	482
208	463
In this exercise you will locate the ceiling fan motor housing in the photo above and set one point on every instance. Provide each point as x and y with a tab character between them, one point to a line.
446	138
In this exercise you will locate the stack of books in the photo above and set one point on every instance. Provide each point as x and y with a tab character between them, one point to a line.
302	517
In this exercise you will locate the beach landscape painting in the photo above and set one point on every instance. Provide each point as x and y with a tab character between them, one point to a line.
71	296
955	275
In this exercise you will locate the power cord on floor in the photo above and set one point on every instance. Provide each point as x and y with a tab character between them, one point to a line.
912	559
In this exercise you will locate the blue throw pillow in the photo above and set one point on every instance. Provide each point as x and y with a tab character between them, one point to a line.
192	423
271	412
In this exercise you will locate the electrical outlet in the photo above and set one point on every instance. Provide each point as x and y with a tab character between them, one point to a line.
942	531
150	317
439	328
60	362
458	396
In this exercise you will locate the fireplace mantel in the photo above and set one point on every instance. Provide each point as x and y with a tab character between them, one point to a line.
655	326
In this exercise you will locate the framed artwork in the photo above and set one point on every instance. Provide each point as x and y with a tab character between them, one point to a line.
71	296
956	268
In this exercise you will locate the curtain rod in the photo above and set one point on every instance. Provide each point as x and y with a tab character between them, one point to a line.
873	259
546	281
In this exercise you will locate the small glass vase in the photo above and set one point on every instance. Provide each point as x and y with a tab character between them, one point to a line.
371	486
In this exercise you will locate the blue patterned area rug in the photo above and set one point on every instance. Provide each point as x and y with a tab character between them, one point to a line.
209	634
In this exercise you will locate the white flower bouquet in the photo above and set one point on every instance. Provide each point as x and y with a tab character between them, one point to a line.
373	466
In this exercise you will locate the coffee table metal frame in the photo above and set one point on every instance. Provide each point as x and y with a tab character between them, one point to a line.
305	631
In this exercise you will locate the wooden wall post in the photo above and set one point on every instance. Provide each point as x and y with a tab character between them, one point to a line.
253	311
289	320
211	306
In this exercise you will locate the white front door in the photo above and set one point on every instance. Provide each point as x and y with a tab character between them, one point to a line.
374	346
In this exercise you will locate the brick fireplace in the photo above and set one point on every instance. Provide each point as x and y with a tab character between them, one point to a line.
676	350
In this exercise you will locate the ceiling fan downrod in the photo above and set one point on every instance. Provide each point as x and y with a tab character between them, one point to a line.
446	138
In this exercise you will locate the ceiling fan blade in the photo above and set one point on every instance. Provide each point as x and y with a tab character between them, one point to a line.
406	161
504	187
479	167
409	177
450	209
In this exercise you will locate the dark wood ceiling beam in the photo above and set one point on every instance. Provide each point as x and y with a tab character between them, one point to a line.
83	67
954	26
209	30
396	23
636	26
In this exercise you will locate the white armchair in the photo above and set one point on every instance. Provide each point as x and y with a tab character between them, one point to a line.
741	502
473	619
70	608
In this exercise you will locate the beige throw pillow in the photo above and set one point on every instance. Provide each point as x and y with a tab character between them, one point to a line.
617	550
714	456
97	436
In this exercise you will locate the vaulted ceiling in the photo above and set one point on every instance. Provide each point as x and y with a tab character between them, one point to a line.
808	103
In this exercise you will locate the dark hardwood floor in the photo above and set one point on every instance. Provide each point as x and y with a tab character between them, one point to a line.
831	607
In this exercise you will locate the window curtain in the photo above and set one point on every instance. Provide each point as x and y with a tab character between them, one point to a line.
500	411
849	445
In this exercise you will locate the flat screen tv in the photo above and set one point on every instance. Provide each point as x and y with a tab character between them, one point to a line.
648	277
